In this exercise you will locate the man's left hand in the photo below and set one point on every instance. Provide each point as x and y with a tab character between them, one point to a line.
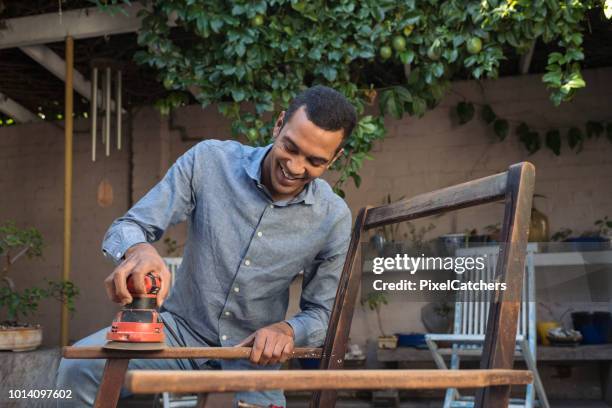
271	344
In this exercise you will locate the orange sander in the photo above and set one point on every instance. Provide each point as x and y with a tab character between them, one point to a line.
138	326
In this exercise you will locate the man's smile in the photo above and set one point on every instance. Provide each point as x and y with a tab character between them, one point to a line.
288	175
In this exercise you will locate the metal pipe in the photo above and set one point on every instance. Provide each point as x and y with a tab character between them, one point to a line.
68	137
94	111
118	109
107	100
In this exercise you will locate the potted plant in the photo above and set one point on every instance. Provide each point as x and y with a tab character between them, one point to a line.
16	335
375	301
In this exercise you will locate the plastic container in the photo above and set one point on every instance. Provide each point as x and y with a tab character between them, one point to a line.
594	327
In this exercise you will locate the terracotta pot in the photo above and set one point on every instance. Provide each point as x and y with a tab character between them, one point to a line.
20	338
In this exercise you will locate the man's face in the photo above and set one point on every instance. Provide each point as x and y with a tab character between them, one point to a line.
301	152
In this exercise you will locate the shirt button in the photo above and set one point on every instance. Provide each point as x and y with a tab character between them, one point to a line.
227	313
259	234
247	262
271	205
236	289
118	254
224	337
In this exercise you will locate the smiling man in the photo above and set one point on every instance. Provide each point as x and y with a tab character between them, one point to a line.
257	217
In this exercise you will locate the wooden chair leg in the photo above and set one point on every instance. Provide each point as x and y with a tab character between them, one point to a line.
112	381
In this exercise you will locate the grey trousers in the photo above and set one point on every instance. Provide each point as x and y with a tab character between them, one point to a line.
83	377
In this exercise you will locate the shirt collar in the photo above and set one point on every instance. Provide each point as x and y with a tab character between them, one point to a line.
252	166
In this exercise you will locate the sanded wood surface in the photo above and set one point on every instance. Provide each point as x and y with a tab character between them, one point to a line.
228	353
480	191
154	381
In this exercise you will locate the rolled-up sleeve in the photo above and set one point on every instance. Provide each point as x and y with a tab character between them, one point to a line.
168	203
320	285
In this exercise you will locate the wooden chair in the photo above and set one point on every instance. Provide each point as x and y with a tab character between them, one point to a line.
494	379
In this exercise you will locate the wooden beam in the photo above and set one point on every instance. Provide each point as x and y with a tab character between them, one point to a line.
480	191
154	381
68	162
16	111
57	66
178	352
80	23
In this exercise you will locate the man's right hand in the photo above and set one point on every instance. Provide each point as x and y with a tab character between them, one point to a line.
140	259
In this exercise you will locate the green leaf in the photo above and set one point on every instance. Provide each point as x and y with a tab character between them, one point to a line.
553	141
403	94
500	126
575	138
330	73
465	112
594	129
487	114
216	24
238	95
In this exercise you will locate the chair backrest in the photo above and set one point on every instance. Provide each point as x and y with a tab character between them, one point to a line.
515	187
472	307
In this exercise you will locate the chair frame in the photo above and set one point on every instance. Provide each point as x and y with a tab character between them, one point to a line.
515	187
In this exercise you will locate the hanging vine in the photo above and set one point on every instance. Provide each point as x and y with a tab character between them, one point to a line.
401	53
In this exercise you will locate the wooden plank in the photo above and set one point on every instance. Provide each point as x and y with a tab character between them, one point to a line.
595	352
480	191
341	315
154	381
112	380
78	23
228	353
500	341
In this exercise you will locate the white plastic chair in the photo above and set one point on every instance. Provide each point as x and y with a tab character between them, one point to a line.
469	328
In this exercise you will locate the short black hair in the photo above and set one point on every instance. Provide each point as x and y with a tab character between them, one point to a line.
326	108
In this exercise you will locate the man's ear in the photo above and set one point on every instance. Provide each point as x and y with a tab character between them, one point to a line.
340	153
278	125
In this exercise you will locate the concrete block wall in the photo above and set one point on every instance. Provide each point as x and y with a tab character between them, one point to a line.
418	155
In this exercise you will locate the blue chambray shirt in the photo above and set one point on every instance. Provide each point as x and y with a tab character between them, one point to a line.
243	249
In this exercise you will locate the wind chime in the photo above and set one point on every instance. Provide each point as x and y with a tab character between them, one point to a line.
104	71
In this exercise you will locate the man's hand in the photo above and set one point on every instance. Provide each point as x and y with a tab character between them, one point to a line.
271	344
140	259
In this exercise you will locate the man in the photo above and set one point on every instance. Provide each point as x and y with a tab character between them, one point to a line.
257	217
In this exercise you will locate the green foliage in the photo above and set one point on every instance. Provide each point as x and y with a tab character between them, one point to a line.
375	300
266	51
15	243
24	303
553	141
531	138
465	112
